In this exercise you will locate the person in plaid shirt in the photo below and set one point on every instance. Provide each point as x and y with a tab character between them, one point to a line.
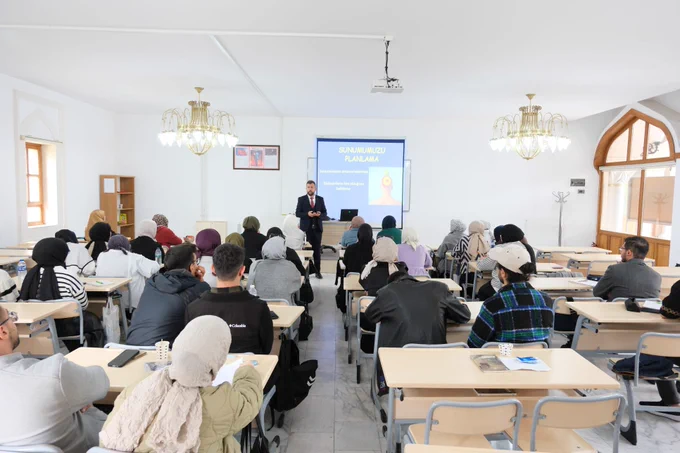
517	313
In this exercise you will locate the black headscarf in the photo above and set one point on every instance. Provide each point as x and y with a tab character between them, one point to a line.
66	236
497	232
47	253
359	254
389	222
275	231
100	233
513	233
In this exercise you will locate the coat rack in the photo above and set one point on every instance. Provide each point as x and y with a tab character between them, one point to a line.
561	199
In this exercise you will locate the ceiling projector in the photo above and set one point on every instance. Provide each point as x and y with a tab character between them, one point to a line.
384	86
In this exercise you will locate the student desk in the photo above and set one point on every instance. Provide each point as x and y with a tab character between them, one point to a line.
453	369
607	328
305	254
112	284
288	315
583	260
564	284
38	317
7	260
670	272
21	253
134	371
541	268
546	252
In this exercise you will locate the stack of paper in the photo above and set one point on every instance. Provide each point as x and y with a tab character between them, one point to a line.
227	372
524	363
585	281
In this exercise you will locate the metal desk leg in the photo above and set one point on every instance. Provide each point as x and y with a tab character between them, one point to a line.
577	332
53	333
348	314
390	421
109	299
359	351
474	286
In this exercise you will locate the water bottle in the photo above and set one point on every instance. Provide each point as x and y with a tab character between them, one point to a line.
159	255
21	271
252	290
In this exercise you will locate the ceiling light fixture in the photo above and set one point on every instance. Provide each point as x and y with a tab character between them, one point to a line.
389	85
530	133
198	129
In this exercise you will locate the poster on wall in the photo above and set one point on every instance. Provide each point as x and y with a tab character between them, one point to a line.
257	157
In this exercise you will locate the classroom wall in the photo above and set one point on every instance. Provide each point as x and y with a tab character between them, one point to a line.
88	149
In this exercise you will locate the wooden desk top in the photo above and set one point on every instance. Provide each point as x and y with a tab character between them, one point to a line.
588	258
672	272
22	253
287	315
134	370
352	283
305	254
615	313
541	268
30	312
112	284
454	369
558	284
569	249
7	260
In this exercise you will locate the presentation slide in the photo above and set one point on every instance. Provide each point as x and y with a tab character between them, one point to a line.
362	174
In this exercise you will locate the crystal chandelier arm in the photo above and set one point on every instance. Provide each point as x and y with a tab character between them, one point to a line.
218	118
172	117
555	119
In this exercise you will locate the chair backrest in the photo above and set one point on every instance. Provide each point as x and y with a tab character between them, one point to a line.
364	299
563	274
42	448
532	345
656	344
464	418
578	413
129	346
436	346
560	306
637	299
598	268
278	301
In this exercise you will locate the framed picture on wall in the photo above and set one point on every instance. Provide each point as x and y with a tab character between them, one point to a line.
257	157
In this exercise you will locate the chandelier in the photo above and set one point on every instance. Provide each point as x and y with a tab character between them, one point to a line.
530	133
198	129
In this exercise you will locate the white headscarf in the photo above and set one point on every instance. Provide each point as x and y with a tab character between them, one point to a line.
168	403
290	225
274	249
148	228
384	251
478	245
410	237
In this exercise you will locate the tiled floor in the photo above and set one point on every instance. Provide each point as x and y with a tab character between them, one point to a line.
338	415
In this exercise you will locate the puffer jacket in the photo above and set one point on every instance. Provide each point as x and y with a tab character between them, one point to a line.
227	409
161	313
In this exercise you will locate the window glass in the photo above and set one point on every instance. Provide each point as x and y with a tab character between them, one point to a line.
657	202
618	151
34	214
33	161
620	201
657	144
637	142
34	189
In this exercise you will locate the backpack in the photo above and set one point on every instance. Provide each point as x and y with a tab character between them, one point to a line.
306	325
295	379
306	293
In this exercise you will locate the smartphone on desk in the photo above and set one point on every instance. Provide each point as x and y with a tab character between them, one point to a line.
273	315
123	358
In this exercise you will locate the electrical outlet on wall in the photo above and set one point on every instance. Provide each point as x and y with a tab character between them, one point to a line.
581	191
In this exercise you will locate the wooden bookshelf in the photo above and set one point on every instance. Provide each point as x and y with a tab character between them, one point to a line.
119	201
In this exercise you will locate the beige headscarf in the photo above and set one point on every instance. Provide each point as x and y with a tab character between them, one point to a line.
236	239
170	398
384	251
96	216
478	246
410	237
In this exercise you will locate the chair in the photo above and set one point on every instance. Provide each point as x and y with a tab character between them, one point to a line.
360	353
532	345
293	331
53	328
129	346
560	308
42	448
656	344
651	299
556	416
598	268
465	424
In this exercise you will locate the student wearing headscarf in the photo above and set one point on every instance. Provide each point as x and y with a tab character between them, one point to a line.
236	239
487	264
349	237
99	236
295	237
359	254
8	288
206	242
414	255
291	255
148	416
390	230
456	232
513	233
145	244
78	261
253	240
164	235
96	216
119	262
470	248
274	276
385	262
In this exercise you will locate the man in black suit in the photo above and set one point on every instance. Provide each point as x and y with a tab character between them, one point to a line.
311	210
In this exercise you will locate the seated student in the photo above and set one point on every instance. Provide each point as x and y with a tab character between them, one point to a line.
206	242
164	235
274	277
385	263
118	261
513	233
449	244
177	409
253	240
8	288
291	255
99	236
49	280
51	399
248	317
669	390
349	237
488	264
390	230
145	244
360	254
78	261
517	313
415	256
96	216
162	308
295	237
632	277
470	248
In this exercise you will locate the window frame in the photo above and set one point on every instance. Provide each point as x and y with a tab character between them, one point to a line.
41	190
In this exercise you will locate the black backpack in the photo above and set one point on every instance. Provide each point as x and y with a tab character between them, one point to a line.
306	325
295	379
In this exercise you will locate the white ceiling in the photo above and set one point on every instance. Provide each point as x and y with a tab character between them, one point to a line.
455	58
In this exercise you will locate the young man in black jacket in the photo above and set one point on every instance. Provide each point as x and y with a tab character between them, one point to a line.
248	317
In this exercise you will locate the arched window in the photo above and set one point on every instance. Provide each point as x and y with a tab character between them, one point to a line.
636	161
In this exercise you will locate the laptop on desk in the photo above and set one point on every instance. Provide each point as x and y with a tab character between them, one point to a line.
346	215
